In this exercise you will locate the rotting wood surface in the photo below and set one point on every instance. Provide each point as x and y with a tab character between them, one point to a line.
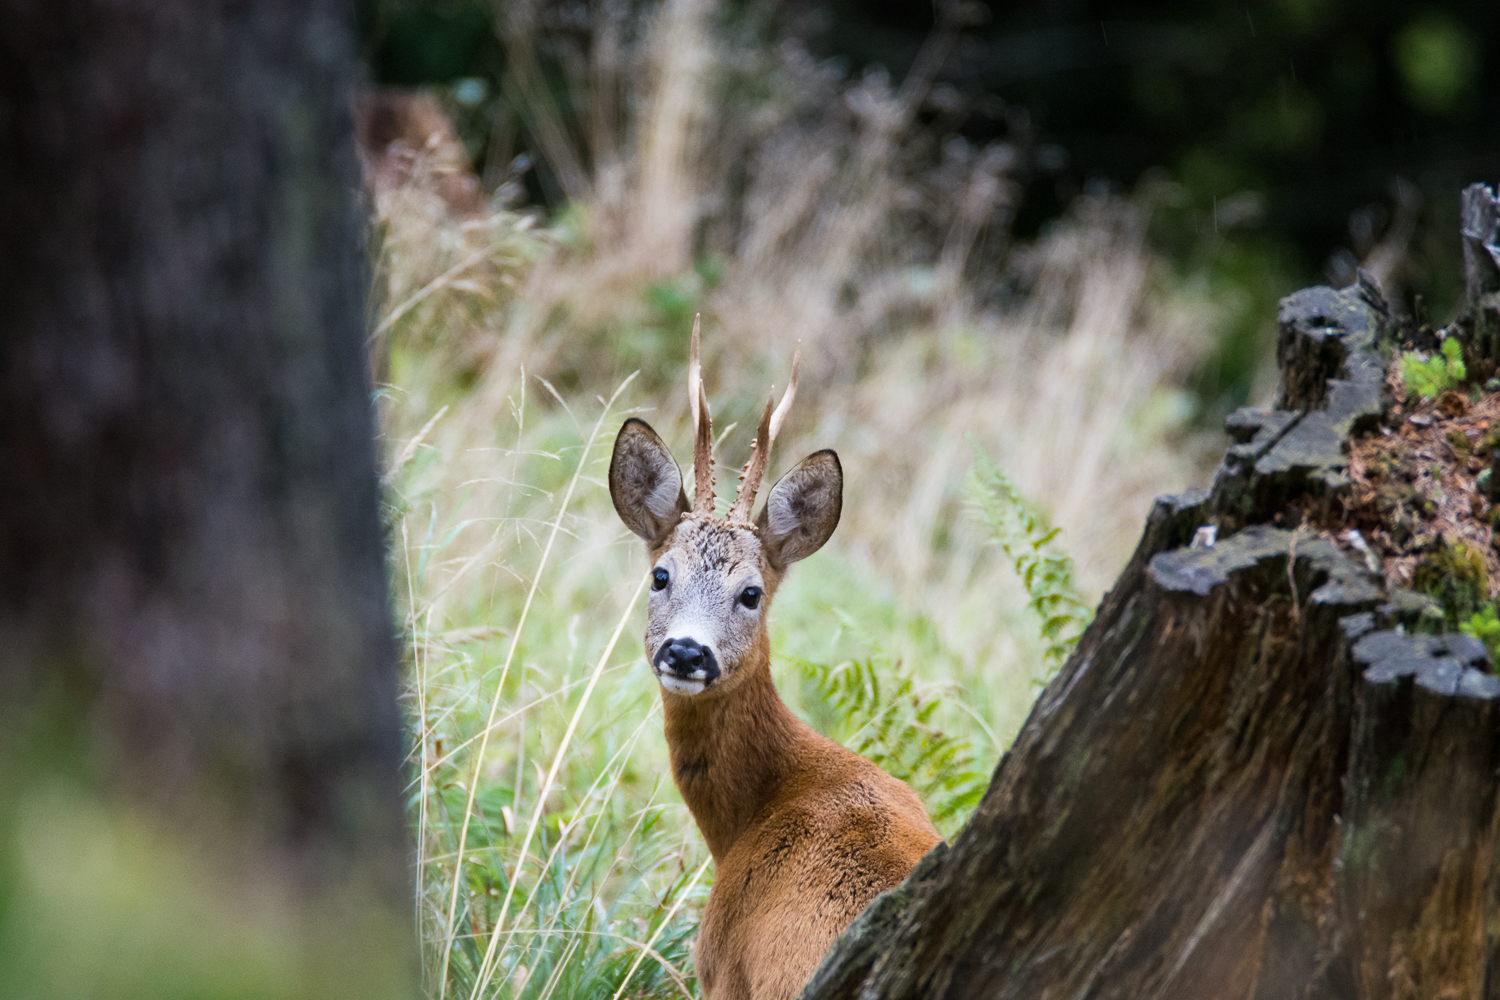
1252	778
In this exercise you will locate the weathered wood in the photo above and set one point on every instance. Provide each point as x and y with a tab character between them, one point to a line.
1417	815
1480	323
1480	225
1248	780
1133	843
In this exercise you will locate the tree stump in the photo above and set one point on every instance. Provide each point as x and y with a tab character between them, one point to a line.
1253	777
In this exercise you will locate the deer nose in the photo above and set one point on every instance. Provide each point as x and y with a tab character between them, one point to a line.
687	658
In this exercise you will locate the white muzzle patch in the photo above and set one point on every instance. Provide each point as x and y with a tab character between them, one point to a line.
680	685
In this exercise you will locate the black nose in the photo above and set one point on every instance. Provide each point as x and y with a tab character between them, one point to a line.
684	657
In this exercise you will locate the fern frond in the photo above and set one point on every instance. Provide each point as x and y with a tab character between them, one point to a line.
1031	545
891	725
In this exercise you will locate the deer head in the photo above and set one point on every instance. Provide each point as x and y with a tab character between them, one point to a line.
712	579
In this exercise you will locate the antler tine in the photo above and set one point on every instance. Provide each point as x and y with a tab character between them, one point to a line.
703	459
703	434
695	372
760	449
786	400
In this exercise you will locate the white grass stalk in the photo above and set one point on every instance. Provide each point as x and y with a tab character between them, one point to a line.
411	449
422	733
676	905
486	967
614	781
442	280
598	817
463	833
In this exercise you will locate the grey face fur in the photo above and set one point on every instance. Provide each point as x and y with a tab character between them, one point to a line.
705	620
710	570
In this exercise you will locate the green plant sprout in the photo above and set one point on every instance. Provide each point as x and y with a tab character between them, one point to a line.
1484	625
1430	377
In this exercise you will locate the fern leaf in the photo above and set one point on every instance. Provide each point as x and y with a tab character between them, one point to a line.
890	723
1034	551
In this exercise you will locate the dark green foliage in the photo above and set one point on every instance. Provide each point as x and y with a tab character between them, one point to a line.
883	715
1031	545
409	44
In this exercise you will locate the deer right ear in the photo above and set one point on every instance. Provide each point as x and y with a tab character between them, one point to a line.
802	509
645	483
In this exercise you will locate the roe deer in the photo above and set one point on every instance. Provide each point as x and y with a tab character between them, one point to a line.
803	832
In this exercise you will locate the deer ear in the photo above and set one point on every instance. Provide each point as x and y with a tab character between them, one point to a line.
645	483
802	509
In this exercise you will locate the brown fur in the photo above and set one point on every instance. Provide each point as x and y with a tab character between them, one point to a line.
803	832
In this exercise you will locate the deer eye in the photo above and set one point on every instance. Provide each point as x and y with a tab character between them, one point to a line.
659	580
750	597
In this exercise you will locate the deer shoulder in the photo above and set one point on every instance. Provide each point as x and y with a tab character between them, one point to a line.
803	832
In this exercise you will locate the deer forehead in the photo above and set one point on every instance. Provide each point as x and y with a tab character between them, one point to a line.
704	546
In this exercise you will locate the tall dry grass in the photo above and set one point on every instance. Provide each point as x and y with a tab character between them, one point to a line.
556	858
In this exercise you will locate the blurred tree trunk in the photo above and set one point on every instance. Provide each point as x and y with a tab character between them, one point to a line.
194	622
1251	779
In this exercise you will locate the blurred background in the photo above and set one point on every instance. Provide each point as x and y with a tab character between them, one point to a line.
1281	143
1052	233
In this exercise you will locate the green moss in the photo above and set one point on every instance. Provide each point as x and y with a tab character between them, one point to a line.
1454	574
1396	461
1395	776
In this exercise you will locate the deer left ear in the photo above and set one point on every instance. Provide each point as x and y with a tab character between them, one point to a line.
645	483
802	509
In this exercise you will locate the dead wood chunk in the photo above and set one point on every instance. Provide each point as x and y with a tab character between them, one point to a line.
1478	326
1452	404
1171	524
1332	388
1481	240
1418	816
1326	348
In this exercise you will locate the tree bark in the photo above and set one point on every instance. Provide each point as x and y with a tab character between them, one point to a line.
1250	779
194	621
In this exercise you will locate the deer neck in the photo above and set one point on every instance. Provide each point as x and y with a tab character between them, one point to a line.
731	753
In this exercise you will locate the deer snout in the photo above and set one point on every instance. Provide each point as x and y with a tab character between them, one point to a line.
687	659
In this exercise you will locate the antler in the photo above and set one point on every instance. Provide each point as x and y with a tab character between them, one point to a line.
760	448
703	429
